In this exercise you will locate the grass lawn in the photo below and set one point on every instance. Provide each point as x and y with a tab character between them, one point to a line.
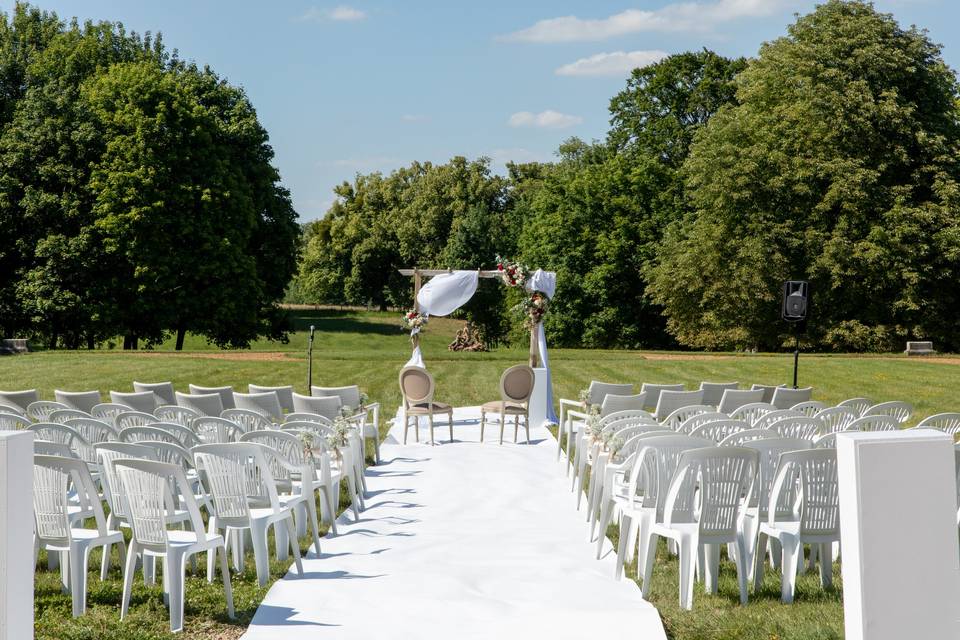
368	348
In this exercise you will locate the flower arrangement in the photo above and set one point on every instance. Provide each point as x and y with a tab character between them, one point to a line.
512	273
339	440
413	320
533	308
613	443
594	423
307	441
346	411
364	400
584	397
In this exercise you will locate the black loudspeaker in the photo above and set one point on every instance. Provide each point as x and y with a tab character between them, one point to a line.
796	300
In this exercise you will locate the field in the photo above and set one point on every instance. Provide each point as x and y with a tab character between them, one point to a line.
368	349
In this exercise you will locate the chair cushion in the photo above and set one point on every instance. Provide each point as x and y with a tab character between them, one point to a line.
429	407
511	408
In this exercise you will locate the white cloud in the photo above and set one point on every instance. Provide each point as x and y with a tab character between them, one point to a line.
341	13
679	16
615	63
548	119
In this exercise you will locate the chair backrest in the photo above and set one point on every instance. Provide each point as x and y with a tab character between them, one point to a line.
654	464
737	439
40	410
129	419
53	477
629	417
670	401
305	416
349	395
185	435
733	399
598	390
316	428
764	421
147	485
144	401
768	451
20	399
94	432
613	403
266	404
246	419
857	405
708	488
653	392
819	512
60	433
751	412
713	391
133	435
163	390
516	384
284	394
236	473
836	419
687	426
809	408
50	448
176	414
718	430
895	409
61	416
326	406
83	400
108	412
946	422
17	411
681	414
798	427
785	398
169	453
416	385
216	430
287	449
206	404
225	393
874	423
13	422
826	441
107	454
768	391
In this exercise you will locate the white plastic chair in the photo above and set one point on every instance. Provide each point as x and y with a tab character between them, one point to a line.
946	422
213	430
748	435
733	399
266	404
836	419
570	409
133	435
786	398
826	441
670	401
205	404
94	432
183	416
713	392
704	516
142	401
225	393
108	412
751	412
687	426
53	478
613	403
350	396
304	416
681	414
40	410
809	408
13	422
6	408
82	400
800	427
719	430
326	406
284	394
185	435
245	497
654	390
768	391
61	416
857	405
163	390
814	520
147	485
61	433
20	399
129	419
901	411
247	419
764	421
874	423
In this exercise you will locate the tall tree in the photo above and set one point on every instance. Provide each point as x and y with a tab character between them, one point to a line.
839	164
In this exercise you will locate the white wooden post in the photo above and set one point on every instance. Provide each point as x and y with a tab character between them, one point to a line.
16	535
898	521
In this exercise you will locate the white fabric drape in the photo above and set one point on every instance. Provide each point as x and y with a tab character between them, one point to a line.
447	292
545	363
416	360
545	281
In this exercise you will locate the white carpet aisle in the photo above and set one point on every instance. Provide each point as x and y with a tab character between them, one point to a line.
459	541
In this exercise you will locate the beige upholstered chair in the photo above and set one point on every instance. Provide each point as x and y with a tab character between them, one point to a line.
417	387
516	387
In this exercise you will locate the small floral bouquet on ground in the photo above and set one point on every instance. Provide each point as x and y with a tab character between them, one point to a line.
413	319
533	308
512	273
339	440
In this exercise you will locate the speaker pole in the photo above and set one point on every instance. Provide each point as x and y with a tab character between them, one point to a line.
796	354
310	364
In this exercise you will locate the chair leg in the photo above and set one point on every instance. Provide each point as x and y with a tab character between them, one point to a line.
78	579
175	584
791	558
605	508
526	424
624	542
406	426
688	561
128	570
450	425
294	544
516	427
430	419
711	567
281	542
212	529
258	533
501	426
483	423
314	526
759	558
227	587
826	564
743	567
649	554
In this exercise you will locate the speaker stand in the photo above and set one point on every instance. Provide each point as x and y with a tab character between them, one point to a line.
796	354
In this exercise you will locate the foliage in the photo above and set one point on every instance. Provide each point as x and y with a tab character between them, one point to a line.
839	164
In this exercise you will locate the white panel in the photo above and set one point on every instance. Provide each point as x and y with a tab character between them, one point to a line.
16	535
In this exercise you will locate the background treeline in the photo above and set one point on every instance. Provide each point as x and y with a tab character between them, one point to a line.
832	156
137	195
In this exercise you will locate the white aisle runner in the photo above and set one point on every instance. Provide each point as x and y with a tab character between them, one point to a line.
459	541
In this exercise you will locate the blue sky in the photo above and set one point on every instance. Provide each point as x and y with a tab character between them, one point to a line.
370	85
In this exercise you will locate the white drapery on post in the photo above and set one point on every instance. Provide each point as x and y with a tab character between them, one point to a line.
545	282
441	296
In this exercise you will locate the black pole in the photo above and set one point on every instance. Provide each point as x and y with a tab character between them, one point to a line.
310	364
796	355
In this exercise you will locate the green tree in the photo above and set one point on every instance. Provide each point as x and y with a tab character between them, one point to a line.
838	164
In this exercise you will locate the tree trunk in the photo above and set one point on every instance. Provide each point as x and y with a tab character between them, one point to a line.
130	341
53	340
91	344
181	334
